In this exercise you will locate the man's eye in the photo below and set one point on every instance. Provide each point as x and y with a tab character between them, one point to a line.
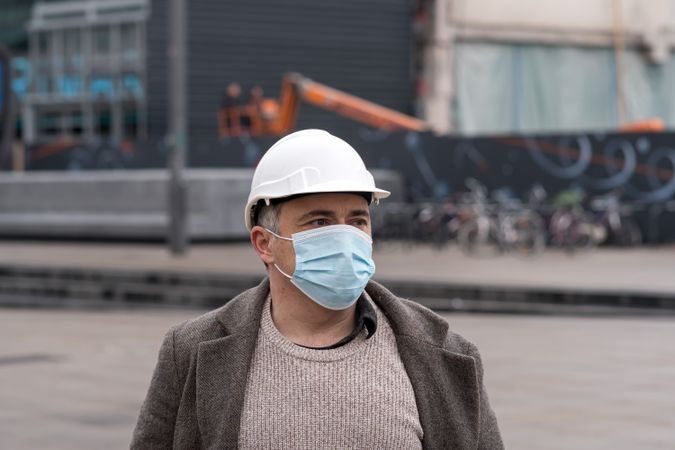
320	222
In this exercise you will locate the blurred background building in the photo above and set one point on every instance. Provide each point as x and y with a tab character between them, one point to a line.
510	93
529	66
87	71
98	69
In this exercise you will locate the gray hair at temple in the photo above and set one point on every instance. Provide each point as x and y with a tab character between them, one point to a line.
267	216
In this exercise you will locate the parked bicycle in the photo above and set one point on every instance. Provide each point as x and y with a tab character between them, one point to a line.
507	225
571	226
484	225
616	219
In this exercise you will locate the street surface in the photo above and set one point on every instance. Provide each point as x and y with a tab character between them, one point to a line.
75	380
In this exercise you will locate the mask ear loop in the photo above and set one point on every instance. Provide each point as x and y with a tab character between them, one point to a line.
275	264
282	272
280	237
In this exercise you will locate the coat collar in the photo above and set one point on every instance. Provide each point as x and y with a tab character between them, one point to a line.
443	378
245	310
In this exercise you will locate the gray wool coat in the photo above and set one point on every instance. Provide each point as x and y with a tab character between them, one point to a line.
197	390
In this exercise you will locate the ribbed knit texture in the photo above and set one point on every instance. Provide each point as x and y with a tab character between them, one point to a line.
357	396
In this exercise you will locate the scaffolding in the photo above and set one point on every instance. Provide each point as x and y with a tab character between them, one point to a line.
88	71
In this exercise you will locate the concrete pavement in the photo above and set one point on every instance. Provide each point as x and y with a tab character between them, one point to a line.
75	380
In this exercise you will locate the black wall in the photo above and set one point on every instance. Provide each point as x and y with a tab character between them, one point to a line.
641	165
359	46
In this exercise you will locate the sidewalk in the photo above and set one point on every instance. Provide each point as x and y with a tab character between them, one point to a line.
556	383
647	272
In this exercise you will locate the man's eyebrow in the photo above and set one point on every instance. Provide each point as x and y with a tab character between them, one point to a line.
359	212
329	213
317	212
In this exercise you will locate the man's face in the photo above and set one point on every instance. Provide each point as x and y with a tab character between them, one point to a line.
315	211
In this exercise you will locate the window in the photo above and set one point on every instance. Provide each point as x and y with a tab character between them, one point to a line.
49	123
73	49
130	42
101	40
43	45
42	83
102	85
131	85
103	123
69	85
88	67
130	122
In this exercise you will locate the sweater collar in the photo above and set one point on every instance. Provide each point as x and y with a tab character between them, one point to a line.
407	318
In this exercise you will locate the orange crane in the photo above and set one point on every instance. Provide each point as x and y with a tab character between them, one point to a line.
274	117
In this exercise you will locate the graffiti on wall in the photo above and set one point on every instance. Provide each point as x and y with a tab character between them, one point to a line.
69	85
642	168
643	165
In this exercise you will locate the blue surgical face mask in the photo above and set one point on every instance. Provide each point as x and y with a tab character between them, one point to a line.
332	264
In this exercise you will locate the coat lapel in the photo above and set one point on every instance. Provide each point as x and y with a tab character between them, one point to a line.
445	383
222	369
446	392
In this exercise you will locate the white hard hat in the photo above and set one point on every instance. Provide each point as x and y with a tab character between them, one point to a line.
307	162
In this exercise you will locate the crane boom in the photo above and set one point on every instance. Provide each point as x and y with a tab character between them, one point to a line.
277	117
356	108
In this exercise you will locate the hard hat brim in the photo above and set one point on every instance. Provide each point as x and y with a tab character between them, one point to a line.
323	188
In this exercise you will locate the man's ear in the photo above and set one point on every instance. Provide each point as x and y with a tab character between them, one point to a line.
260	239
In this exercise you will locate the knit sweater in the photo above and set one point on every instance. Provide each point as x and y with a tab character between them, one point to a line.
354	396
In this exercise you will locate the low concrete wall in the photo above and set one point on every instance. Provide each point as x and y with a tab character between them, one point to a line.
129	204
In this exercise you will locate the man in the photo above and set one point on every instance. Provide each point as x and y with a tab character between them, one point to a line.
317	356
230	105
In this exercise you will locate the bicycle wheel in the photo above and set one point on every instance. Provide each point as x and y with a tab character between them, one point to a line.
476	237
583	235
526	234
628	235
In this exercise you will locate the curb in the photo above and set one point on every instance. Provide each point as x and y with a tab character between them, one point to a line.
96	288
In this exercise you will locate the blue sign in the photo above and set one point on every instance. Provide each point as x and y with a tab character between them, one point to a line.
22	76
70	85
